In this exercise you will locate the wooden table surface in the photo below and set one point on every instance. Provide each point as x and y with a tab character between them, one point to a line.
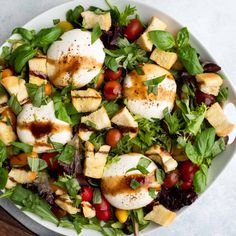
11	227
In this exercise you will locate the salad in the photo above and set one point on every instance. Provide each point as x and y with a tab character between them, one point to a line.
108	122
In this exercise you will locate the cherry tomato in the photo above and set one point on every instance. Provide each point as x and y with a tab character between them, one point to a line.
187	170
186	185
103	215
53	165
133	30
113	136
112	90
113	75
103	206
171	179
87	193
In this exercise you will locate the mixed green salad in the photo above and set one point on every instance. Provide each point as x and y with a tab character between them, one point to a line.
107	122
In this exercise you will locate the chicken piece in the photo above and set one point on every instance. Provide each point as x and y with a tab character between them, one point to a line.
88	209
216	117
84	134
90	19
164	59
143	41
209	83
161	215
86	100
156	153
95	162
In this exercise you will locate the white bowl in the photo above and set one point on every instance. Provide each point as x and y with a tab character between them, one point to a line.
145	11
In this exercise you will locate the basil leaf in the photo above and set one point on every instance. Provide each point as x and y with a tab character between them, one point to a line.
3	152
56	21
67	154
152	193
36	164
36	94
200	179
205	141
182	37
192	154
26	148
172	121
72	186
162	39
25	34
111	63
111	107
14	104
160	176
144	162
3	178
189	58
142	169
90	124
74	16
134	184
46	36
223	94
96	33
153	83
97	197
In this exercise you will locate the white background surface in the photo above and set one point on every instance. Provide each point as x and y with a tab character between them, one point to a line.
213	22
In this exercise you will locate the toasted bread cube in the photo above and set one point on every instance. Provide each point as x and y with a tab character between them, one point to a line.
95	162
209	83
163	59
216	117
143	41
158	154
36	80
7	134
65	203
99	118
90	19
16	86
88	209
20	176
3	99
86	100
161	215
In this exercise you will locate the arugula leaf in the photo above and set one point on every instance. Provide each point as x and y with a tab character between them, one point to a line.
152	193
98	139
123	146
3	152
46	36
134	184
182	37
25	34
26	148
36	164
74	16
67	154
200	179
162	39
172	121
97	197
160	176
153	84
218	147
139	215
3	177
189	58
33	203
90	124
96	33
14	104
111	107
36	94
56	21
7	193
223	94
6	52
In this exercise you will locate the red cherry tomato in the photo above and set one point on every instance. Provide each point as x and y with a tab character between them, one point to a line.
133	30
112	90
113	137
186	185
187	170
103	206
87	193
113	75
171	179
103	215
48	157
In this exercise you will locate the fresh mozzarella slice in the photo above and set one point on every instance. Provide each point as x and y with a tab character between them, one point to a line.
36	124
149	105
74	59
117	178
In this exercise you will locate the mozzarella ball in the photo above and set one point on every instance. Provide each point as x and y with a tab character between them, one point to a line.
36	124
74	59
116	182
149	105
